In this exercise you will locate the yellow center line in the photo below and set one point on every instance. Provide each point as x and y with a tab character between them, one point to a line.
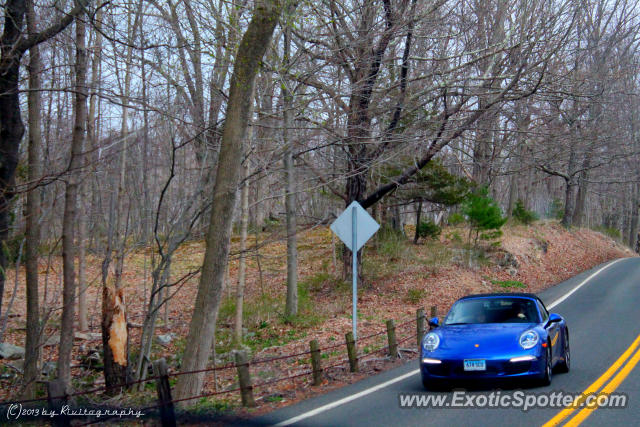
607	390
595	386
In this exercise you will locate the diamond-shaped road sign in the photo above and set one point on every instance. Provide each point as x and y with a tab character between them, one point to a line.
366	226
354	227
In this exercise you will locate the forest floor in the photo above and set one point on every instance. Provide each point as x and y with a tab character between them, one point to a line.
399	277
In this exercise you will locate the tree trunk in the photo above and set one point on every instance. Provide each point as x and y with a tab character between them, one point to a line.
70	208
570	182
581	199
291	308
12	47
32	345
115	335
633	223
513	194
146	211
202	327
11	126
416	235
569	202
83	323
244	225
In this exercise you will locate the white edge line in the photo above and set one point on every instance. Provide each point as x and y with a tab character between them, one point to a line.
345	399
581	284
373	389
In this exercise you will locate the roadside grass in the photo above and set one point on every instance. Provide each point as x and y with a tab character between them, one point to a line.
515	284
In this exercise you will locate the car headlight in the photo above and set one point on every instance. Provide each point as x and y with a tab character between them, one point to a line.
431	341
529	339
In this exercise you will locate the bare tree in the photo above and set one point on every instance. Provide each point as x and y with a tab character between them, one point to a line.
70	207
291	307
13	44
252	47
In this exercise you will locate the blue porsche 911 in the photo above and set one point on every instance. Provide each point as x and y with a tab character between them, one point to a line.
493	336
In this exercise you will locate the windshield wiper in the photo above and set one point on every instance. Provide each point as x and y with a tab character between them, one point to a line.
458	323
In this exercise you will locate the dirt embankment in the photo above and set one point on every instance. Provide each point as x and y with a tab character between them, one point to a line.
399	278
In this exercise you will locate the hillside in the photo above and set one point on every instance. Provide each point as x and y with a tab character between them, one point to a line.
399	277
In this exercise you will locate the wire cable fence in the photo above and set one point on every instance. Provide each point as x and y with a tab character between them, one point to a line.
409	329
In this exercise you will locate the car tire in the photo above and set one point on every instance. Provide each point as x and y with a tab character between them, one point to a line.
433	385
426	384
548	371
565	364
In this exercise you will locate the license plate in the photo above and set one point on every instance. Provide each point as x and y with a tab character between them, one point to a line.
475	365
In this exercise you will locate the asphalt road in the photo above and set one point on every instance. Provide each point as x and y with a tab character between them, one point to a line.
604	320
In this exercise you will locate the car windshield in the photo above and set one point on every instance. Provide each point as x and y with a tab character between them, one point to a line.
493	310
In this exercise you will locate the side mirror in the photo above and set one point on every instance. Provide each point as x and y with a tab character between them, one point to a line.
554	318
434	323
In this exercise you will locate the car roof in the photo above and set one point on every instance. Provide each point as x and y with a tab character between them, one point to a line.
503	294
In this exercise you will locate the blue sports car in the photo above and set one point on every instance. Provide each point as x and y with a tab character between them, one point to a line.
492	336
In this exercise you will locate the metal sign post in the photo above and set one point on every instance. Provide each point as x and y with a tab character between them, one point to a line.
354	227
354	270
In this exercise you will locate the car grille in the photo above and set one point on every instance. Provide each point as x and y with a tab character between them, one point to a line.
456	368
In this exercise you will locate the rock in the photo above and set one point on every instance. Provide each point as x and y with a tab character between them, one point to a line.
52	340
92	360
17	366
542	244
512	271
508	260
88	336
49	369
166	338
10	351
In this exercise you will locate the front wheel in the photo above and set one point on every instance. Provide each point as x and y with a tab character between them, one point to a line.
546	379
565	364
434	385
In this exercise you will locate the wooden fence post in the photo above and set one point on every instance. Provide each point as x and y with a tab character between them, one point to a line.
315	362
434	313
352	351
244	378
420	318
167	413
391	335
56	398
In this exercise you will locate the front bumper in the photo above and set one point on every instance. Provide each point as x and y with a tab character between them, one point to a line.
453	368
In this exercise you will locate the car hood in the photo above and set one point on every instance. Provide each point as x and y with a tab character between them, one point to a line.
482	340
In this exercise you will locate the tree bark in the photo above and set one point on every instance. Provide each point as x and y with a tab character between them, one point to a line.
70	209
12	47
569	202
416	235
32	345
83	323
633	226
244	225
291	307
252	47
11	126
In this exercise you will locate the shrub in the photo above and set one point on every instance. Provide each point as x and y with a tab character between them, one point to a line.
521	214
612	232
556	209
484	215
13	248
414	295
454	237
391	243
428	229
455	218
